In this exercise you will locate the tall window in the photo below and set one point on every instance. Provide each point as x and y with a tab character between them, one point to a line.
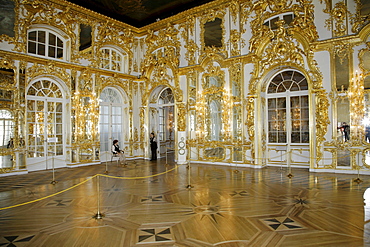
111	120
113	60
166	102
6	128
46	43
288	108
45	119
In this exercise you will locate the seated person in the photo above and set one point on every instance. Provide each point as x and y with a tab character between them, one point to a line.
117	151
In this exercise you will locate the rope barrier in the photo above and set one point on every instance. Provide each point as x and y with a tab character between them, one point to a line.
96	175
43	198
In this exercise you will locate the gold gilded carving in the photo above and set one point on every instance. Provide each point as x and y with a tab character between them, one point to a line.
303	21
38	12
250	109
342	51
181	117
357	20
322	121
282	49
364	57
357	108
277	6
191	49
210	15
337	20
49	69
237	42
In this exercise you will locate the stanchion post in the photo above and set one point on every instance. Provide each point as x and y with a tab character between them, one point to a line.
358	180
98	215
290	175
166	157
189	186
106	166
53	181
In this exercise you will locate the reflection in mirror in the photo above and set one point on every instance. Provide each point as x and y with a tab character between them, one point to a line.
343	157
215	123
214	153
7	129
213	81
238	154
7	17
85	36
6	162
236	89
343	123
213	33
237	128
342	76
366	120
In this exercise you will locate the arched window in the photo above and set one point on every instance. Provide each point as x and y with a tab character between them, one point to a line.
112	59
165	114
45	119
111	120
288	108
47	43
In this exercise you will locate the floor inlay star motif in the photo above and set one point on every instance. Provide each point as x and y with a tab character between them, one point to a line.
282	223
15	241
155	235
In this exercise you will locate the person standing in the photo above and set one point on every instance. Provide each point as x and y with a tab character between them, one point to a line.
153	146
120	153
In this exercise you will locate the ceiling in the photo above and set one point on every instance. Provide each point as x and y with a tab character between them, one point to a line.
139	13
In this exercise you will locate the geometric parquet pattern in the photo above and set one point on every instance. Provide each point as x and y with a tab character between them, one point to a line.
226	206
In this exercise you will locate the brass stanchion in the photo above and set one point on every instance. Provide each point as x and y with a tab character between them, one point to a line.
166	156
106	167
358	180
98	215
53	181
189	186
290	175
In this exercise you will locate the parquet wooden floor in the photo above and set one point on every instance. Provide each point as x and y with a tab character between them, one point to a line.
143	205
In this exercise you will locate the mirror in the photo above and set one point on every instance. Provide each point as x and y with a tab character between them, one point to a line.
343	157
237	154
213	119
343	120
213	33
237	123
214	153
85	37
7	18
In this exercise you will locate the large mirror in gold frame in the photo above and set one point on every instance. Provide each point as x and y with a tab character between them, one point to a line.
7	120
366	122
214	104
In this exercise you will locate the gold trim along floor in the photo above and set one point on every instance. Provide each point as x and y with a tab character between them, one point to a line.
149	203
